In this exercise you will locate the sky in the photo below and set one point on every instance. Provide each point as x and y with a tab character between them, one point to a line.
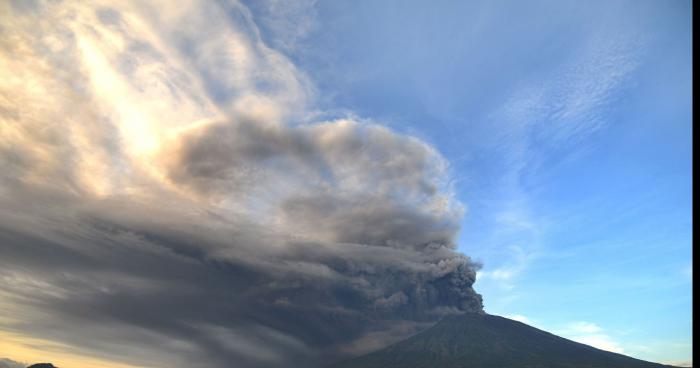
358	168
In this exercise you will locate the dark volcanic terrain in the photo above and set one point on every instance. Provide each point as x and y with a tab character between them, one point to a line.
475	340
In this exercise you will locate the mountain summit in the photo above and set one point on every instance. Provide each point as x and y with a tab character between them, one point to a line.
477	340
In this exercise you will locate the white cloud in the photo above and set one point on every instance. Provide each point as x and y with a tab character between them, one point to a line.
600	341
580	331
519	318
590	334
584	327
680	363
504	276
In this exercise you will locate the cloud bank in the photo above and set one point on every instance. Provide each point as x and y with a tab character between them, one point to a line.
167	200
9	363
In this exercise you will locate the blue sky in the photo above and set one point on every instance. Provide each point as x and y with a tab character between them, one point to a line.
567	128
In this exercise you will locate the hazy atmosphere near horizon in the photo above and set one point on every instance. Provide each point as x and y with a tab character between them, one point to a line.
223	183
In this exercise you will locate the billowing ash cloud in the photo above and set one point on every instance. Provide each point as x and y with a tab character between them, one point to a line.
158	208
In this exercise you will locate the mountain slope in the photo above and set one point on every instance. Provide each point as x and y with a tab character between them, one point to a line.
484	341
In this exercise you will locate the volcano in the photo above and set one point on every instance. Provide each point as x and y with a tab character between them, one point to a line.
479	340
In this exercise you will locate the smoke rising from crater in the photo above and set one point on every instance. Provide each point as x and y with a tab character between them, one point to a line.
159	207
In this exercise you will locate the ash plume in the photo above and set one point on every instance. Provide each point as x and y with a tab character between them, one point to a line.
178	218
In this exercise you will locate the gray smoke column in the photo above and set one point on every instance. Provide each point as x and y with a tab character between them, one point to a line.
198	227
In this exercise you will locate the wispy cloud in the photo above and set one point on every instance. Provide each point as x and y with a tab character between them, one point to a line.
580	331
506	275
519	318
680	363
569	103
590	334
550	116
287	24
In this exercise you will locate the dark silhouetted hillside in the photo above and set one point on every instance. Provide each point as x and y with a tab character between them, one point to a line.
485	341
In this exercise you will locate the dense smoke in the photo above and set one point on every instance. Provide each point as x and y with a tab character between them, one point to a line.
158	208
